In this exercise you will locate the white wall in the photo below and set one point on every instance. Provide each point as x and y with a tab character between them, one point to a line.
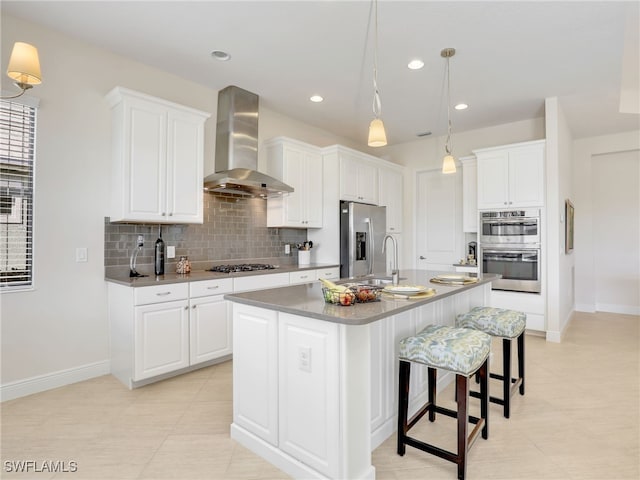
58	332
559	288
585	252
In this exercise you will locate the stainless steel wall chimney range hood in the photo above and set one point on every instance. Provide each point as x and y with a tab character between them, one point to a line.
236	160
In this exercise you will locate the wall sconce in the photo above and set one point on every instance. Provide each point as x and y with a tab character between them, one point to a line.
24	68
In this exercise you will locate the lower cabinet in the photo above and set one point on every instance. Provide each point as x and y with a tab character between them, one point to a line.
162	329
161	336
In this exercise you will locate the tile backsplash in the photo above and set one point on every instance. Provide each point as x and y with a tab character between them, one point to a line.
234	231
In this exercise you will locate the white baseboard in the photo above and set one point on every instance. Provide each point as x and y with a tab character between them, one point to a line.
32	385
585	307
613	308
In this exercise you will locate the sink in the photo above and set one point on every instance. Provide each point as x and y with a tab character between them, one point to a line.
377	281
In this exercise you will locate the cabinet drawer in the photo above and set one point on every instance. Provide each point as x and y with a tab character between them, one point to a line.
161	293
328	273
210	287
305	276
260	282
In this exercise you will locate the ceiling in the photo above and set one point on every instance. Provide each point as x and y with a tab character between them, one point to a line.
510	56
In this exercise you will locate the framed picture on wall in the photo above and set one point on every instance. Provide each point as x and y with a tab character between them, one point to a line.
569	215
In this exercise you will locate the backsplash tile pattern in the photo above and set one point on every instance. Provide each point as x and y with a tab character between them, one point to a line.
234	230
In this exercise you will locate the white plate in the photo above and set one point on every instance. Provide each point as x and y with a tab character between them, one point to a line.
406	289
453	277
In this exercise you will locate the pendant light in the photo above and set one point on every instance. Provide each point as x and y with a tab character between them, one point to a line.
377	135
448	162
24	68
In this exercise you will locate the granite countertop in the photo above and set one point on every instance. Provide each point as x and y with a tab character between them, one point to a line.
307	300
123	278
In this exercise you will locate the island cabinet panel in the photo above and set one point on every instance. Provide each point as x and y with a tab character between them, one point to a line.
308	395
255	371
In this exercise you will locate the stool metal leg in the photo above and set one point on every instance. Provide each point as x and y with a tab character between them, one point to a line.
403	404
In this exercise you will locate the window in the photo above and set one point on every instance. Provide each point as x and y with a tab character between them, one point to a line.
17	155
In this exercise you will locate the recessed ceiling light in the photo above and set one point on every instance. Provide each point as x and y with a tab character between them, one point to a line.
461	106
415	64
220	55
316	98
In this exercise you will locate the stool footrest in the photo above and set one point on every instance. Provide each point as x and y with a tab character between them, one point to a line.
440	452
516	382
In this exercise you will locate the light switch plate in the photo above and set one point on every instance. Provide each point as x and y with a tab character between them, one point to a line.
81	254
171	251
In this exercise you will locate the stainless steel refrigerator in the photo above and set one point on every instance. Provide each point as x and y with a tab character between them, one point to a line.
362	231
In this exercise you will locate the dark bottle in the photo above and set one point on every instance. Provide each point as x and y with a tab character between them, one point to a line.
159	253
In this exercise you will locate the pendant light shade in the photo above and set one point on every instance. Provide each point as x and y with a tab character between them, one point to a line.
377	135
448	162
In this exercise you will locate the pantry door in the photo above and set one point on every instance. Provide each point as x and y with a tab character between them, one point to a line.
439	236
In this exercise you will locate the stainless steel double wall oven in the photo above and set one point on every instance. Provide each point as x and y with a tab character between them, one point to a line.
510	246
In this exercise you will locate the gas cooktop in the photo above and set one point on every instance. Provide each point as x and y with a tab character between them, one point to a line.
243	267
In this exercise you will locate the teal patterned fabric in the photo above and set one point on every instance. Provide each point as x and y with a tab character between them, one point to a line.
494	321
459	350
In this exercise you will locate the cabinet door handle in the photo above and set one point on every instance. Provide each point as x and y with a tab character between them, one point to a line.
213	287
304	276
422	258
194	306
187	307
164	214
170	214
163	294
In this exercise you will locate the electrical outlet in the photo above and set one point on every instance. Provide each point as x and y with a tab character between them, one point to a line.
171	251
287	249
304	358
140	240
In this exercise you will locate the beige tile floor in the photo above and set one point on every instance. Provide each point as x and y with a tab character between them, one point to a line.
579	419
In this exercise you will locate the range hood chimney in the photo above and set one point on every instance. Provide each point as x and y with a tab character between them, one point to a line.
236	160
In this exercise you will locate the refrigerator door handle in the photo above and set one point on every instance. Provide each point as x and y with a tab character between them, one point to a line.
371	246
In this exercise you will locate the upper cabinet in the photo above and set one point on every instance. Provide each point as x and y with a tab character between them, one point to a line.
299	165
390	182
469	194
157	159
358	177
511	176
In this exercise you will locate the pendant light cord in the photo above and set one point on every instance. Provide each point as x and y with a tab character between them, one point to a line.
447	145
377	105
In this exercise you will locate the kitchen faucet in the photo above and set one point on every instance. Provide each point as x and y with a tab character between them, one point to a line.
395	273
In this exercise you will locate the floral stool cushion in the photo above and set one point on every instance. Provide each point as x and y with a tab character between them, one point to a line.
498	322
459	350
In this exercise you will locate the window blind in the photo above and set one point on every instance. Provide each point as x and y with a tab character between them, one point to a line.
17	158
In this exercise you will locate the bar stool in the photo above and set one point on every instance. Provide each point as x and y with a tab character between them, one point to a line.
507	324
463	352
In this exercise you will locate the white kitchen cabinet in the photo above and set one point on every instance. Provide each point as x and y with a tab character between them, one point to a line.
259	282
511	176
300	166
304	276
331	273
157	159
210	327
358	177
469	194
390	193
161	338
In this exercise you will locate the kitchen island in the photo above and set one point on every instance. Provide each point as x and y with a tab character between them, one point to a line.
315	384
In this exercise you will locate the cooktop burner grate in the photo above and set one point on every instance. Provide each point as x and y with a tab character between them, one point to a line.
243	267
